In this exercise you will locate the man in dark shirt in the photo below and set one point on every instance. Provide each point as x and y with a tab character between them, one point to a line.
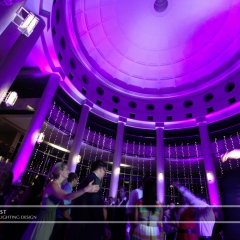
91	219
119	230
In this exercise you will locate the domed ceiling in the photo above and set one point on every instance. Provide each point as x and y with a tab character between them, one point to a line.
132	57
138	49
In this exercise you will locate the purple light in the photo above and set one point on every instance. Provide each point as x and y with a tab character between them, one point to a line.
128	42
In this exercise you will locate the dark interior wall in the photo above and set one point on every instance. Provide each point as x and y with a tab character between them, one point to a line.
7	134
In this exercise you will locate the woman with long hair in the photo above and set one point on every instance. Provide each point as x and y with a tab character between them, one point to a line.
148	213
52	195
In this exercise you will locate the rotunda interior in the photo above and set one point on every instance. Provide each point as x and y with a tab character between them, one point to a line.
149	87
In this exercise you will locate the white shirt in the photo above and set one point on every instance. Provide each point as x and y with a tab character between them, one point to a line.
203	212
120	202
135	195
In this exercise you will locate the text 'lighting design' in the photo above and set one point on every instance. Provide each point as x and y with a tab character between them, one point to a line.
26	21
40	138
10	98
209	176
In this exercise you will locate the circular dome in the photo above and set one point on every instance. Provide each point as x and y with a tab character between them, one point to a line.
133	49
142	56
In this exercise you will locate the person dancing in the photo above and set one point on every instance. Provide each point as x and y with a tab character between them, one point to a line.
51	197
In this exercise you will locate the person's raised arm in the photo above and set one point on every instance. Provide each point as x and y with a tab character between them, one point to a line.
55	190
234	154
192	199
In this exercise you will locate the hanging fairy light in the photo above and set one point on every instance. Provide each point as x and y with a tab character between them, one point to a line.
31	168
110	149
39	163
234	148
239	144
98	142
46	163
49	140
56	136
64	157
170	171
47	150
90	155
143	159
150	159
108	161
131	186
125	162
103	145
61	141
184	170
34	165
219	159
190	168
199	170
70	137
225	144
84	153
177	162
138	162
63	132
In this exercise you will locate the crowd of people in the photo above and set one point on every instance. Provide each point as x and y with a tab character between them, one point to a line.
64	214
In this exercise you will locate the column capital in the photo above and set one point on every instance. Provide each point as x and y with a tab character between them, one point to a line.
201	120
159	125
88	103
122	119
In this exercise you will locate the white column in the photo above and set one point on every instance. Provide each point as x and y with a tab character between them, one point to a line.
34	129
77	142
209	164
160	173
117	160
